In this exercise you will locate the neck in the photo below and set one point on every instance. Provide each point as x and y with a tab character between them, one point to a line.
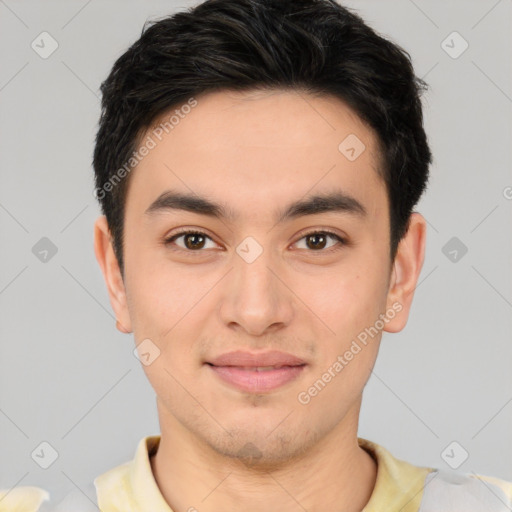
336	474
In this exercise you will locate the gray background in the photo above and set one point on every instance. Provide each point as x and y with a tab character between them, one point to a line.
69	378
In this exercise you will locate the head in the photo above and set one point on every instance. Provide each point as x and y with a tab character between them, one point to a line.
288	135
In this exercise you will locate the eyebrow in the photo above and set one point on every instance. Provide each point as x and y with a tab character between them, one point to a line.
337	201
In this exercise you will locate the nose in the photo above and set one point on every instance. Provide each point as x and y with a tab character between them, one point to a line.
257	299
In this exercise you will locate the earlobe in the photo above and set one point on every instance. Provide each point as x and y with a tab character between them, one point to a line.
406	270
109	265
121	328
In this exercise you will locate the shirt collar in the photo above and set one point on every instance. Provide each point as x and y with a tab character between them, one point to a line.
398	485
141	477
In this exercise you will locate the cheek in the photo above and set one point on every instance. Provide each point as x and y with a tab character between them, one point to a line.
170	308
350	307
156	296
154	307
348	299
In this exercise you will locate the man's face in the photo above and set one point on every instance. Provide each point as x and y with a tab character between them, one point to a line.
255	283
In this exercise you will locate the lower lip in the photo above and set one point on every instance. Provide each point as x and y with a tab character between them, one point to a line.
253	381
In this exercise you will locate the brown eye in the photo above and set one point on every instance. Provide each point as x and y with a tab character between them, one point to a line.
318	240
192	240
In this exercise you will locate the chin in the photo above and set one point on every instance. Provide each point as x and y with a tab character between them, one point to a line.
256	449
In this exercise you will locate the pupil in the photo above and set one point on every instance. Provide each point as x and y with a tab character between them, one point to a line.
317	236
193	244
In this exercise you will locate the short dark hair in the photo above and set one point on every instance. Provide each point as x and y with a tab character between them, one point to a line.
316	46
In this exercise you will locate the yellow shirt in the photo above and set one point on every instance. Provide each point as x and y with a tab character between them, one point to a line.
22	499
131	487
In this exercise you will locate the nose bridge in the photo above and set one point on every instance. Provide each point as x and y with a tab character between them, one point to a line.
253	271
256	297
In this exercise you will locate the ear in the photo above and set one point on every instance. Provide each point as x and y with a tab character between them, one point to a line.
107	260
405	273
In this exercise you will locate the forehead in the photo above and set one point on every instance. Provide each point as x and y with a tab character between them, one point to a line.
259	148
266	118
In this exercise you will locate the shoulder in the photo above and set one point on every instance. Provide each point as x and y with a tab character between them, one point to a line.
113	489
410	488
504	485
22	499
478	493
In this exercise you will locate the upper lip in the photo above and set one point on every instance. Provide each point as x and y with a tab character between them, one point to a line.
251	359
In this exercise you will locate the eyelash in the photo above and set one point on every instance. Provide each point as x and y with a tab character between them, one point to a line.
341	240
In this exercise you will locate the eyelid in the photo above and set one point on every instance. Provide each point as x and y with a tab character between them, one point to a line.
327	231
